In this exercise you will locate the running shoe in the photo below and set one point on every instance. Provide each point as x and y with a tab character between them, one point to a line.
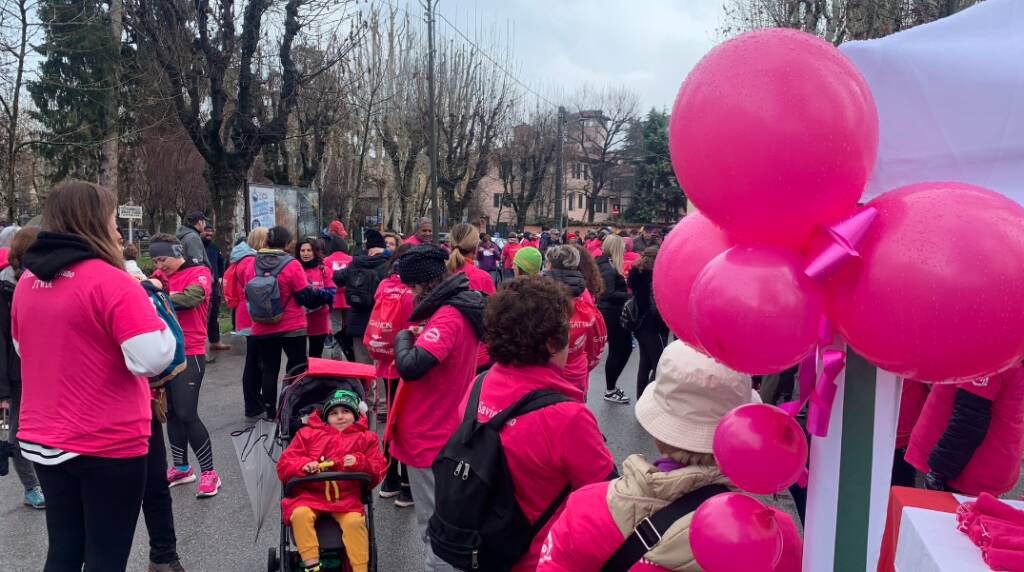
616	396
391	487
176	477
34	498
404	498
168	567
209	484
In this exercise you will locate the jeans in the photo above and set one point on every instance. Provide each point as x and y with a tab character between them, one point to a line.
184	427
92	506
212	321
22	466
422	483
620	346
651	338
252	379
269	349
156	501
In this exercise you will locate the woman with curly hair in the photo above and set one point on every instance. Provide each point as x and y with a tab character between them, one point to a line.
527	335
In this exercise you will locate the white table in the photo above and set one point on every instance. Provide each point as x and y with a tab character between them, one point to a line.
930	542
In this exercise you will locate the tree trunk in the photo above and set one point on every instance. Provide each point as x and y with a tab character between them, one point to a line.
109	166
225	185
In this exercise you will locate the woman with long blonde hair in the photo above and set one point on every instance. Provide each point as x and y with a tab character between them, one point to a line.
613	298
464	240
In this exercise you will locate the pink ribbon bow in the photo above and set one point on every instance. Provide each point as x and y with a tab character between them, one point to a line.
819	370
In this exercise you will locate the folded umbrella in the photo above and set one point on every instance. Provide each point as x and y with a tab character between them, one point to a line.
258	450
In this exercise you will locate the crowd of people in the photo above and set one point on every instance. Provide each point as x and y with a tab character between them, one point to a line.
461	336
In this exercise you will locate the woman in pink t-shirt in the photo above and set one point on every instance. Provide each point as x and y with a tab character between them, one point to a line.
88	337
437	361
465	239
318	321
189	286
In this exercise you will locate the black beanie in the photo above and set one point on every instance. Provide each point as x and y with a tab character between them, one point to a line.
374	239
422	264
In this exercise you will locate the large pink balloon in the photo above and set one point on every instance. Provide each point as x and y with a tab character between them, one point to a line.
683	255
760	448
755	310
773	133
939	295
732	531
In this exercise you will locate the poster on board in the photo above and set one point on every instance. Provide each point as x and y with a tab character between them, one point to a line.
262	210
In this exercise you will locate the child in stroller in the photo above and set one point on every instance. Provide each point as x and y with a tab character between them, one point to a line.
328	470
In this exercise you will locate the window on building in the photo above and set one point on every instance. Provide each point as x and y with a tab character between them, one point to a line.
497	200
586	172
577	171
581	200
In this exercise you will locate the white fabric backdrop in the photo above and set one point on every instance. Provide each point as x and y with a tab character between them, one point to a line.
950	98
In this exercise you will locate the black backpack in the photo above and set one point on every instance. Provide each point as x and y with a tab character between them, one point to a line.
361	286
477	523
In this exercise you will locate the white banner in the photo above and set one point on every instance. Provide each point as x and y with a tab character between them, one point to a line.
262	210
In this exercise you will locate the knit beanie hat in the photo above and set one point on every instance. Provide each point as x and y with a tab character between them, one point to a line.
528	260
343	398
421	264
374	239
337	228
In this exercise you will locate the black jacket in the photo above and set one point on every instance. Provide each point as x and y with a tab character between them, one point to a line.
615	295
571	278
359	318
413	362
217	263
10	363
968	425
641	283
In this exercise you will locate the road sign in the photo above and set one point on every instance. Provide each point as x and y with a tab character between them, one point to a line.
130	212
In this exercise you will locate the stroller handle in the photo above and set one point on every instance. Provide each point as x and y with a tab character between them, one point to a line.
364	480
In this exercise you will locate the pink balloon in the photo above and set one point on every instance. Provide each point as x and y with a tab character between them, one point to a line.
683	255
732	531
760	448
755	310
939	293
773	133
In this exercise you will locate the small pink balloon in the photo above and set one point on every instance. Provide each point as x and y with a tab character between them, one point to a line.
755	310
938	295
760	448
693	243
761	171
732	531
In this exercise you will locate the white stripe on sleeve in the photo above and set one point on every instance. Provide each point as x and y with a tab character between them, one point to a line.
149	354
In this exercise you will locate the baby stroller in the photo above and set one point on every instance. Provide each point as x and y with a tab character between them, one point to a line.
305	393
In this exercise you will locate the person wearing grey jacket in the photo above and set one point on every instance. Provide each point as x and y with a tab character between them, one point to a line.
191	240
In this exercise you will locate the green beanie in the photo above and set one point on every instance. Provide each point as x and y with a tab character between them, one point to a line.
528	260
343	398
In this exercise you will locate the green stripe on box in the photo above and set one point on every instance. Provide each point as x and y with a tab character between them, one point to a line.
854	503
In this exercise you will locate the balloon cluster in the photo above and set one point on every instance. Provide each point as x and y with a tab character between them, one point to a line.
773	137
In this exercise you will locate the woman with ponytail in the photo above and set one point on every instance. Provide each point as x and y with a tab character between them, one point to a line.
465	239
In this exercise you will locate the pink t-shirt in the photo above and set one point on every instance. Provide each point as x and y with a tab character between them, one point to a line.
318	322
78	395
479	280
290	280
335	262
393	286
427	414
192	320
995	465
547	449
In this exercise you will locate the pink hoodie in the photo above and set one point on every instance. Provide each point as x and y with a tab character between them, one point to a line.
548	448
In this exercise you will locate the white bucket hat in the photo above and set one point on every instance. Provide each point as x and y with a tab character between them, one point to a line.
690	394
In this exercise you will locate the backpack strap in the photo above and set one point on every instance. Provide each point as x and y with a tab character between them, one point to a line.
473	405
537	399
649	531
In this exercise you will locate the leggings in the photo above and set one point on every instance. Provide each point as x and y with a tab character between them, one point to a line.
651	338
92	507
316	345
184	428
270	362
353	534
156	501
398	473
252	379
620	346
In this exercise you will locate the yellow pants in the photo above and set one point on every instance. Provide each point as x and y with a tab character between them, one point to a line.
353	534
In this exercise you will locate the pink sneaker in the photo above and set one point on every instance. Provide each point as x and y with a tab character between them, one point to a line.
176	477
209	484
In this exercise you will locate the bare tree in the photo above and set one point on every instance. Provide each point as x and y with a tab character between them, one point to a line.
209	66
596	133
15	39
836	20
527	163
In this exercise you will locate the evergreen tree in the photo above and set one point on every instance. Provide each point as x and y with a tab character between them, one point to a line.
657	196
73	87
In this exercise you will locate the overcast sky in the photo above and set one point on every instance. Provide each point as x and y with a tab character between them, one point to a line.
647	45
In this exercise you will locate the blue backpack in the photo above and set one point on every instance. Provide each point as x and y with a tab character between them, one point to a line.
263	293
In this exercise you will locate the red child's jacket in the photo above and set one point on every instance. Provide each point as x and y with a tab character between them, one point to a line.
319	441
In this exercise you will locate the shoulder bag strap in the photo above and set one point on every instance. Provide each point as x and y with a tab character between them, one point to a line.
649	531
